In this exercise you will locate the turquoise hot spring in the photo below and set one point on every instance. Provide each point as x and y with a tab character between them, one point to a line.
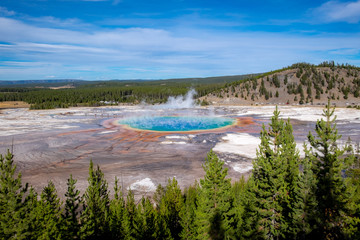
176	123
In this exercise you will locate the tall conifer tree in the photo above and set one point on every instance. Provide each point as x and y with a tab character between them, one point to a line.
94	218
162	230
146	220
354	174
292	203
276	181
132	222
248	226
238	194
333	216
15	205
213	210
49	214
187	213
170	207
117	211
307	186
72	203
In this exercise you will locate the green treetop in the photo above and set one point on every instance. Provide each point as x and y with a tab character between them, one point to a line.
276	181
94	218
72	204
333	215
212	214
14	207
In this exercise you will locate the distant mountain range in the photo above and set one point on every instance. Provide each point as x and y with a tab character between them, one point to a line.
76	82
24	82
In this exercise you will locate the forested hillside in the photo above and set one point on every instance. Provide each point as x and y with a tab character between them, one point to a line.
96	93
300	83
286	197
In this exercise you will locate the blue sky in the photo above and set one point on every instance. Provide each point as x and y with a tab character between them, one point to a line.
152	39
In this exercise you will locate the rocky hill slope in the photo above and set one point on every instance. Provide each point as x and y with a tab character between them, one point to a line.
300	83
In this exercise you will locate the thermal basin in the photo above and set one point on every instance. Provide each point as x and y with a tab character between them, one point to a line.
177	123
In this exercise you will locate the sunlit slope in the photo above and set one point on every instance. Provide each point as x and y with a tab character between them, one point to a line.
297	84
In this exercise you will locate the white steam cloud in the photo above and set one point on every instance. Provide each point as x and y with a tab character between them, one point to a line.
179	102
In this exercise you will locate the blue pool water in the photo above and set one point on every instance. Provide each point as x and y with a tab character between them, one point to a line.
176	124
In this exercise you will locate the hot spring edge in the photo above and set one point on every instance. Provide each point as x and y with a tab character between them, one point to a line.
176	123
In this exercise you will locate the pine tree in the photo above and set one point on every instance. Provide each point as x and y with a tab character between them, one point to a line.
146	220
170	207
262	89
94	218
158	195
49	214
292	203
276	181
187	213
71	223
333	216
286	80
162	230
131	222
117	211
32	204
213	211
354	174
248	226
307	186
268	175
15	205
238	191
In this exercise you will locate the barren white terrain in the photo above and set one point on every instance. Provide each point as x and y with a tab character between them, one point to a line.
52	144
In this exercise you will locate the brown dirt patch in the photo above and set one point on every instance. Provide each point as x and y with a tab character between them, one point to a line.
14	104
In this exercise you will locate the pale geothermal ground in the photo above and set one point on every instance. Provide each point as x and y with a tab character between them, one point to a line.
52	144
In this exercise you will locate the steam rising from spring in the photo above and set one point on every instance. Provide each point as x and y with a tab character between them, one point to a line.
178	102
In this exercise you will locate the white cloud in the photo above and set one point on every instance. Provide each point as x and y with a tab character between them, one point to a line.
5	12
50	21
158	52
334	11
346	51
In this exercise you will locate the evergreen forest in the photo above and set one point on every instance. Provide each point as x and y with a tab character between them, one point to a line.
300	83
98	93
285	197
